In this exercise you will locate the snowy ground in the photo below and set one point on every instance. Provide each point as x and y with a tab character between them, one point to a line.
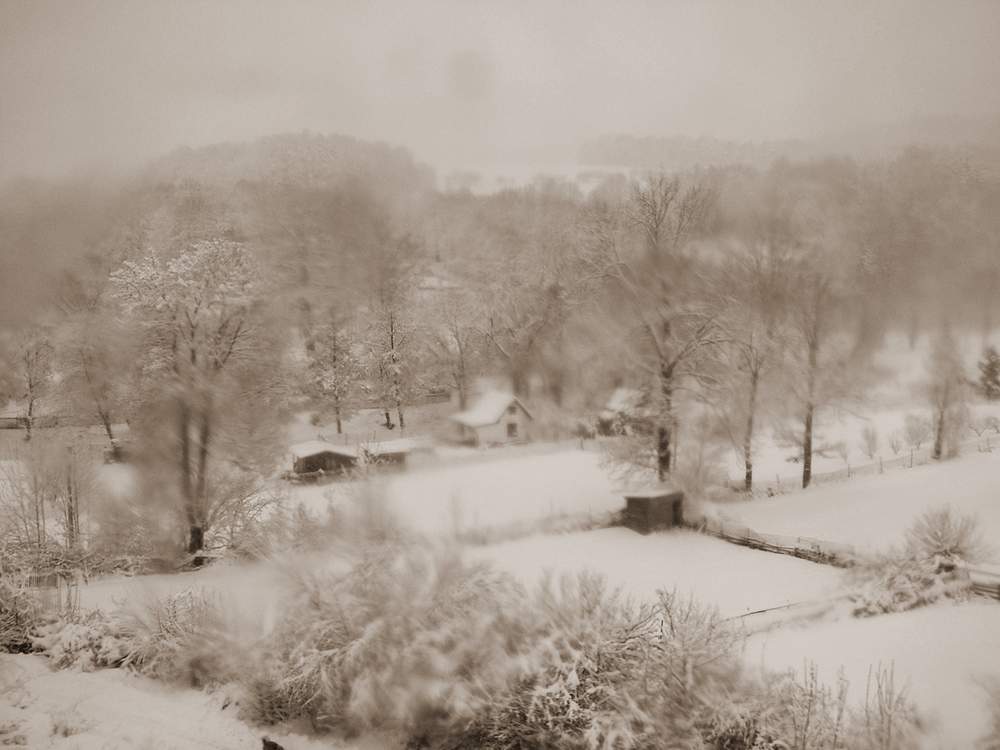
735	579
873	512
943	654
491	493
115	710
899	392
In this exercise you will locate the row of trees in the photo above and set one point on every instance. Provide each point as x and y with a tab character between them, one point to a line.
227	291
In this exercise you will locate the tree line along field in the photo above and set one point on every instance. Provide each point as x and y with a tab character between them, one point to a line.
780	324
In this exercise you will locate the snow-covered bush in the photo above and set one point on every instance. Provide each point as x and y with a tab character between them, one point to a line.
18	612
182	638
84	642
396	639
941	534
926	569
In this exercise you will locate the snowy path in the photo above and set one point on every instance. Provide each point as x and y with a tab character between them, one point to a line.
114	710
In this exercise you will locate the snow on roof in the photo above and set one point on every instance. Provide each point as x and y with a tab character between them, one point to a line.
488	409
400	445
315	447
625	400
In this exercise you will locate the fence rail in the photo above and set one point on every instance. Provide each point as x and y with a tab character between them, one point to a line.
907	459
984	579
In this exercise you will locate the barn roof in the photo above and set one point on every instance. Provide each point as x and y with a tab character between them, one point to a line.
316	447
488	409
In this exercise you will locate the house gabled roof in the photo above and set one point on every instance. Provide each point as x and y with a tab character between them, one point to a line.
488	409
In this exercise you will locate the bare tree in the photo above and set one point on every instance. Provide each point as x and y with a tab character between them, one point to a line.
453	339
198	311
946	391
672	318
870	441
33	370
333	368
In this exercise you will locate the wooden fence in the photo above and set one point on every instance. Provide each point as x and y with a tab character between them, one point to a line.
905	460
985	579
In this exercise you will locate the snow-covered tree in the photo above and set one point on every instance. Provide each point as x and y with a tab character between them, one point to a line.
333	367
670	319
198	311
989	374
946	391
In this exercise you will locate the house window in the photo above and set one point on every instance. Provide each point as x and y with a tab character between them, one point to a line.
512	429
512	409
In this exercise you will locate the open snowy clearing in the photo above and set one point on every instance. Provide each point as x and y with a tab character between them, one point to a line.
735	579
492	493
943	654
114	710
874	512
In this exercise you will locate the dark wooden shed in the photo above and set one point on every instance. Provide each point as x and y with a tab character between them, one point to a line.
317	456
655	508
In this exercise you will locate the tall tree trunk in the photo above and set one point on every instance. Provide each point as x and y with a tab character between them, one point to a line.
196	539
807	445
30	419
939	428
399	413
664	446
336	411
748	435
813	365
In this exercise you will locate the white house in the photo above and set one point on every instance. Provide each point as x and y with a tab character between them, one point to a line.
496	418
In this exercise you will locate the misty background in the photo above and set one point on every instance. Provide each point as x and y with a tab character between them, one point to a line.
107	85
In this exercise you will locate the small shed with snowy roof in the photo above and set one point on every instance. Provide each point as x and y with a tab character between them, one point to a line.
318	456
496	418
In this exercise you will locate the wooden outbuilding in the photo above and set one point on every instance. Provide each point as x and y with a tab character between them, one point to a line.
654	509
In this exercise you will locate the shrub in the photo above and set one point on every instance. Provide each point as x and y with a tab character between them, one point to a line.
942	535
182	638
925	570
19	611
84	642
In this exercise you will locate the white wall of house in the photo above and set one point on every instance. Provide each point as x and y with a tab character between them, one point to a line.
499	433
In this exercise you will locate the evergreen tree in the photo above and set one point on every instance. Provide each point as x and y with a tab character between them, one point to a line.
989	377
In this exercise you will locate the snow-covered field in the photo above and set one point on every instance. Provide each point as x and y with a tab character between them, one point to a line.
116	710
943	654
873	512
899	392
735	579
487	494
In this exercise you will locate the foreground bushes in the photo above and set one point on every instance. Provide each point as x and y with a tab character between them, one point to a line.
411	642
416	643
19	611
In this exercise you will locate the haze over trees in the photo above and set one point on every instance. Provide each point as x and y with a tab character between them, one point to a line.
224	287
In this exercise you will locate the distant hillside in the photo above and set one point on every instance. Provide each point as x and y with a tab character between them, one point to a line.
307	160
680	153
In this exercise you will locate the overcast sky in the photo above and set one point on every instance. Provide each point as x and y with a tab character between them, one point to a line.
86	83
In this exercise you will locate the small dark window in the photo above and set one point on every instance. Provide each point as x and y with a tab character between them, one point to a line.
512	409
512	429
